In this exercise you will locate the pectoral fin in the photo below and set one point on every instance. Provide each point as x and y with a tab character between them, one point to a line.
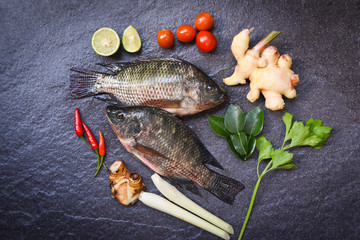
182	182
147	150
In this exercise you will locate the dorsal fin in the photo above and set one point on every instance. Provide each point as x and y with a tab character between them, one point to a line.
117	66
207	157
108	98
114	67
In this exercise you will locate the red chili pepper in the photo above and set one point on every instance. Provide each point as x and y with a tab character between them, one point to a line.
94	144
91	138
101	145
78	126
101	152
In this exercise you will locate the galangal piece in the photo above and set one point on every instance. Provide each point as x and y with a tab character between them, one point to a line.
125	185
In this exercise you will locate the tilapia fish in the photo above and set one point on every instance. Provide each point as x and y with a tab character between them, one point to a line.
164	144
171	84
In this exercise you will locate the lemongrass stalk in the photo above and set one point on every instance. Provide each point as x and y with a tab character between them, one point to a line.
159	203
174	195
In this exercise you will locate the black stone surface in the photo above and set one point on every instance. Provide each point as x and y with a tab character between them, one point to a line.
47	186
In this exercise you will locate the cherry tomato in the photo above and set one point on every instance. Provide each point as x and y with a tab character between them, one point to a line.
204	21
186	33
165	38
206	41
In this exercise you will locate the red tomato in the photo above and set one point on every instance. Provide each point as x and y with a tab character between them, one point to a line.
186	33
165	38
206	41
204	21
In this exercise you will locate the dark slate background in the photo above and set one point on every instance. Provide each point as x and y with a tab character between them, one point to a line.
47	186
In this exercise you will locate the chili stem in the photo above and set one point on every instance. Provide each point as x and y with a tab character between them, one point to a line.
105	166
98	161
82	137
97	170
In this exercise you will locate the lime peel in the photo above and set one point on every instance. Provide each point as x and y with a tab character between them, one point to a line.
131	40
105	41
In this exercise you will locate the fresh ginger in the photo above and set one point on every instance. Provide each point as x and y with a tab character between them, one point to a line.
268	73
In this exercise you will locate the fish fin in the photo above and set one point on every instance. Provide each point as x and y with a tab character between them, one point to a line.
225	188
186	184
163	103
108	98
114	67
147	150
118	66
82	82
161	59
210	159
205	154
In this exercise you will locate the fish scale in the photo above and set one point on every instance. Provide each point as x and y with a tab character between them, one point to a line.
163	143
139	84
172	84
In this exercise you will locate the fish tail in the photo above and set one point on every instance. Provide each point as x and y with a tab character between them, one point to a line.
83	82
225	188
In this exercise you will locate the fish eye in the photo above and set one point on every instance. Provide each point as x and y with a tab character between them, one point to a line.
136	130
210	88
119	115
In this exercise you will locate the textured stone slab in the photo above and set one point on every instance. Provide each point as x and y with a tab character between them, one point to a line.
47	187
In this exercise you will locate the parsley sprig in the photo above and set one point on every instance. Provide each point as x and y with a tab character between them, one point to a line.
297	134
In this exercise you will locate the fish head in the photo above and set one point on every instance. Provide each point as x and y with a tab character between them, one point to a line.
125	121
204	93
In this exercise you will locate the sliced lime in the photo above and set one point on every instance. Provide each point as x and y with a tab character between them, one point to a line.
131	39
105	41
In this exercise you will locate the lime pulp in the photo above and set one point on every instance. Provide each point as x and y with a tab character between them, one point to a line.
105	41
131	40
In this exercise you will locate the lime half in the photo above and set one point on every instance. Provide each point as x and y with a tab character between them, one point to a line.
131	40
105	41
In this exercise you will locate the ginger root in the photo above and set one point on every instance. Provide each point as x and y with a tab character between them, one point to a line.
268	73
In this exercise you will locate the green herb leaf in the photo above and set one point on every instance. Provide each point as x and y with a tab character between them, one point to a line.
234	119
264	147
254	121
217	125
240	143
287	166
300	135
287	119
281	157
322	132
232	148
252	145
